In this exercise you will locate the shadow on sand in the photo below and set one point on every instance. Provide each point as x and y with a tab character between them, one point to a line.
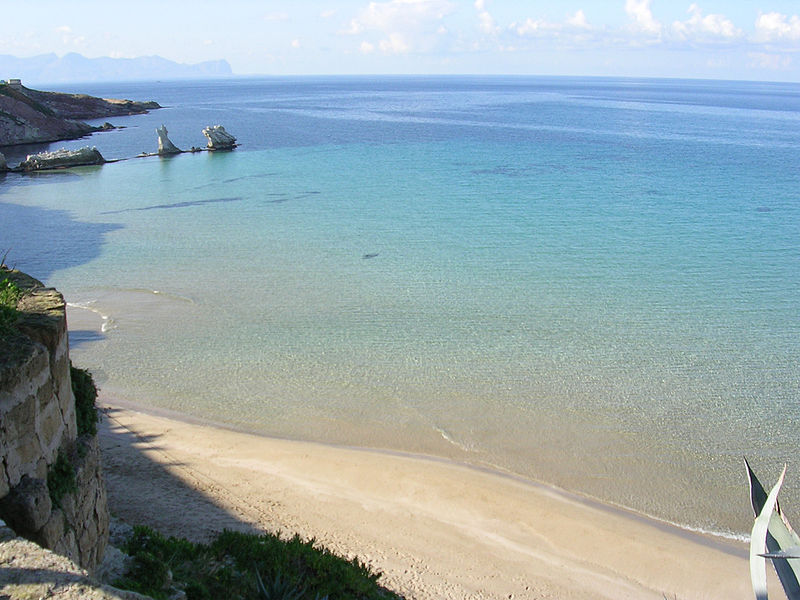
129	468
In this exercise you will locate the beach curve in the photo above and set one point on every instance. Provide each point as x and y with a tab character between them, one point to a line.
435	528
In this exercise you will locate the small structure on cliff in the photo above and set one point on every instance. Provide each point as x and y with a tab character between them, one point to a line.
165	145
218	138
61	159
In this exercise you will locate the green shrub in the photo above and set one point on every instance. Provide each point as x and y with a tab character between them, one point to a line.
247	566
85	393
61	479
10	293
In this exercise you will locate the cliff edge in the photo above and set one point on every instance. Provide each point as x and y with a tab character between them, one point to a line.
51	483
31	116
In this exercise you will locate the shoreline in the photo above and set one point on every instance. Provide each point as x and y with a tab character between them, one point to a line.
714	539
437	528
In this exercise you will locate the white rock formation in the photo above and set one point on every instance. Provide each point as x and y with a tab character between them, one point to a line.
218	138
165	146
61	159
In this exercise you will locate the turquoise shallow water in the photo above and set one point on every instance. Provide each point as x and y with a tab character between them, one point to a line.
594	283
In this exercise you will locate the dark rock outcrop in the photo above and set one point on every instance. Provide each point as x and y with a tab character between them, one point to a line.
81	106
31	116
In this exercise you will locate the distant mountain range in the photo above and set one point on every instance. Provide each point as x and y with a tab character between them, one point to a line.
70	68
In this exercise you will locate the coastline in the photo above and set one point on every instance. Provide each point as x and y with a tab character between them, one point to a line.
435	528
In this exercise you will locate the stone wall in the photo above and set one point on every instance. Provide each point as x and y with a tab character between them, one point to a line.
37	425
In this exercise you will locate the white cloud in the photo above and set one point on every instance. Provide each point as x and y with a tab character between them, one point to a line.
771	62
643	20
705	28
68	38
777	27
295	43
534	27
402	25
575	27
578	20
394	44
276	17
398	15
486	20
367	48
327	14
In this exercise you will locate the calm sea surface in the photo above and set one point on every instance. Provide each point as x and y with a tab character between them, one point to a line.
590	282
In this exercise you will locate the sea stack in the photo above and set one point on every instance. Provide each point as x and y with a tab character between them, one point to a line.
165	146
3	164
218	138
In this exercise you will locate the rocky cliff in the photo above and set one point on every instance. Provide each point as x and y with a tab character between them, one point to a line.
51	485
28	571
30	116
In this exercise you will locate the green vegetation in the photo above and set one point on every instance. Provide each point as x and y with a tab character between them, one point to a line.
61	479
244	566
10	293
85	392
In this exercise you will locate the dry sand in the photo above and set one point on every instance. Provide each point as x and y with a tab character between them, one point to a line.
436	529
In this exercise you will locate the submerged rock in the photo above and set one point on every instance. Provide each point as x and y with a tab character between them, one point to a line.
218	138
165	146
61	159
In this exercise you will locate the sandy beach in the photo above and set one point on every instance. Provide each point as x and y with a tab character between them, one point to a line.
436	529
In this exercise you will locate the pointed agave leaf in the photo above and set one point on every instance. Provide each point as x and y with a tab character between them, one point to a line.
758	542
780	538
793	552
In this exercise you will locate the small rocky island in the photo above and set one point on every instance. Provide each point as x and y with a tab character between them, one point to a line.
31	116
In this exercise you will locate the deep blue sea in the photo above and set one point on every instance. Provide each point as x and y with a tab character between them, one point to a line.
589	282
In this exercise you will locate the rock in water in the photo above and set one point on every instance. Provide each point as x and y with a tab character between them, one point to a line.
61	159
3	164
165	146
218	138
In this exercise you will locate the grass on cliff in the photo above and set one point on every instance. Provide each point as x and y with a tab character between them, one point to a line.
85	392
10	293
61	479
242	566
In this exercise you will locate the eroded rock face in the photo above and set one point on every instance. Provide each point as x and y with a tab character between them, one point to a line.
38	428
165	145
61	159
218	138
29	116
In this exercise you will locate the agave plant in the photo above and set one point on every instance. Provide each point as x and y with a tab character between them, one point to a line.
772	537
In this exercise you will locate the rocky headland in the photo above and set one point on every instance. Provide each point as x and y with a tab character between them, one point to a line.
31	116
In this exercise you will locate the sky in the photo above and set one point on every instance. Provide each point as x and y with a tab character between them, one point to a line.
734	39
